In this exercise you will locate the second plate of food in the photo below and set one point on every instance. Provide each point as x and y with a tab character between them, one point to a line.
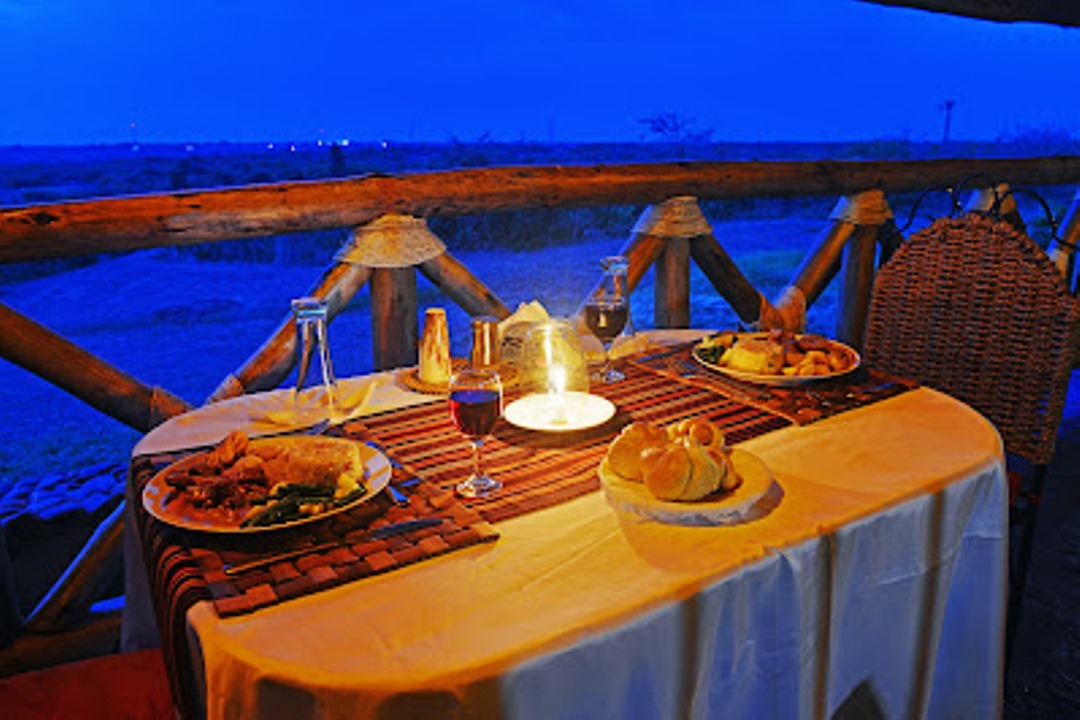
776	358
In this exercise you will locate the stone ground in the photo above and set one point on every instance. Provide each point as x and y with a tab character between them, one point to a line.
1044	678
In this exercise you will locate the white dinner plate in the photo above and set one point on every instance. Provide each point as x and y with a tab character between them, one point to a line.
716	509
559	413
780	380
156	493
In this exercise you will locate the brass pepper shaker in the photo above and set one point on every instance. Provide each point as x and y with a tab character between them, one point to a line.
485	342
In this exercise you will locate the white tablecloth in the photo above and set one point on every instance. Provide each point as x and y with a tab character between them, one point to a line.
880	571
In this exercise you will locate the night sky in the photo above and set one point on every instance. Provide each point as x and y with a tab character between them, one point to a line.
78	71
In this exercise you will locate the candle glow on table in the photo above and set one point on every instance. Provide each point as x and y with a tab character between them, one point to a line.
556	377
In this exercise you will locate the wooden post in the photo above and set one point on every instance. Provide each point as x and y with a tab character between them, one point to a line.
274	360
662	236
393	317
393	246
671	304
856	285
84	375
1063	254
870	213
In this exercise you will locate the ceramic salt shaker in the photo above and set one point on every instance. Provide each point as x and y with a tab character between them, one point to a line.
435	348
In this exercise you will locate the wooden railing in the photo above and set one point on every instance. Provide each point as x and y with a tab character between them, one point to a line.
391	242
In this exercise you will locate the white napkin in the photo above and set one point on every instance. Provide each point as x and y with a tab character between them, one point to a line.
268	413
529	312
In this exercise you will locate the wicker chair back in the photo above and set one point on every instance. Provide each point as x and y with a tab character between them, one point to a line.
973	308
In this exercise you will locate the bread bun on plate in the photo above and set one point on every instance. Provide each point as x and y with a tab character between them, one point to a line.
686	462
624	454
669	476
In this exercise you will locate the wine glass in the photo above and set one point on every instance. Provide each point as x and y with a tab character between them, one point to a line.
311	315
476	399
607	312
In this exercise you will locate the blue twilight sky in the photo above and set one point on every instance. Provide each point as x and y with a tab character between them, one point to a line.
79	71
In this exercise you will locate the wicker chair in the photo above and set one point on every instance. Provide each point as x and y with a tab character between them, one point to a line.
971	307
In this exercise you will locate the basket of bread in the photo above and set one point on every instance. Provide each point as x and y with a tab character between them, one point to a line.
684	473
776	357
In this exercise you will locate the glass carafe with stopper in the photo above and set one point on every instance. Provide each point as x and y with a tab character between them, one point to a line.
315	394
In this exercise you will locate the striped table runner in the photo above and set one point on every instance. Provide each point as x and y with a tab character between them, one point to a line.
539	470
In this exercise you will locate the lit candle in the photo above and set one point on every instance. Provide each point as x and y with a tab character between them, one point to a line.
557	391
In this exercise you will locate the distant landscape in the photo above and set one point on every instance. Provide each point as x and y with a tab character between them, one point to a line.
183	318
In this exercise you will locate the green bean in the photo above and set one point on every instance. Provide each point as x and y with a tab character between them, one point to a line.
305	489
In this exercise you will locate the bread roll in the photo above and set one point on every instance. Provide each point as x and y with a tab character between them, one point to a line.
668	476
702	430
729	479
624	454
705	473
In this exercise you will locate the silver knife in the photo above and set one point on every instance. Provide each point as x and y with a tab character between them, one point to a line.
413	478
377	534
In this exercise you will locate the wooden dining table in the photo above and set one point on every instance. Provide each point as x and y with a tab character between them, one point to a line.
872	574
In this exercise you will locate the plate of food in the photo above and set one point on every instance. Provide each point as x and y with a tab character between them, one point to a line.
682	475
777	357
246	485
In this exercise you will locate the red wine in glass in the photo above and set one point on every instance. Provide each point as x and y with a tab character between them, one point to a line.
606	319
475	411
475	405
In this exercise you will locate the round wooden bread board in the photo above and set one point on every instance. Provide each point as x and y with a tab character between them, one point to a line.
716	509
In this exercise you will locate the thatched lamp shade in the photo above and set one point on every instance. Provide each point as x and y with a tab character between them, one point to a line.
391	241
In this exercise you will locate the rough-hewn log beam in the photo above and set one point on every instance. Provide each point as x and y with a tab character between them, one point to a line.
83	374
122	224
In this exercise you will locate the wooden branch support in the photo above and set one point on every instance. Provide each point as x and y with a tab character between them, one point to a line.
819	266
274	360
97	566
727	279
641	250
861	217
456	280
83	374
